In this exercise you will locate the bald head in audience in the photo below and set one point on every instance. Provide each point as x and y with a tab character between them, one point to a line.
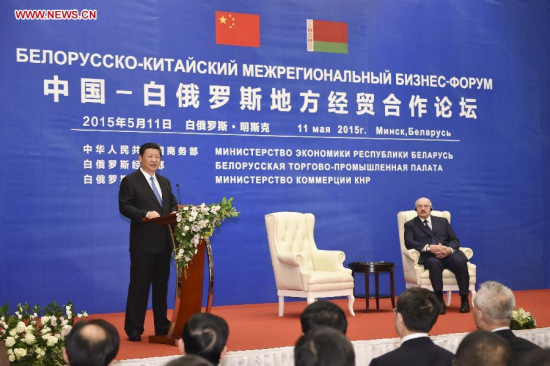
91	343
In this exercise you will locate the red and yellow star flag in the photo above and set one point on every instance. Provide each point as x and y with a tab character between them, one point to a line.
237	29
325	36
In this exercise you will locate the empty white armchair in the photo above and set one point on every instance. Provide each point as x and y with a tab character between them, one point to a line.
416	274
302	270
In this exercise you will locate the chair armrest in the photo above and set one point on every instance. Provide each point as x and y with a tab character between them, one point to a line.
328	260
292	259
412	254
410	259
469	252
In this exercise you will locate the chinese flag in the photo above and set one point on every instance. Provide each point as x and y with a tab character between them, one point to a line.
237	29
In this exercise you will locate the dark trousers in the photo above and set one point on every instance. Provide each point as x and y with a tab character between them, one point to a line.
146	270
456	263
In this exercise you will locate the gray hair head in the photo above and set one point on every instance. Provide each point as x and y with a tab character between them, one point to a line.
495	300
422	198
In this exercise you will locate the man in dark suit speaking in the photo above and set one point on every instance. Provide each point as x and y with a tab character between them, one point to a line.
438	245
145	194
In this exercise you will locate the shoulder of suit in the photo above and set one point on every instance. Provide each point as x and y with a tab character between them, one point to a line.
160	177
410	222
134	175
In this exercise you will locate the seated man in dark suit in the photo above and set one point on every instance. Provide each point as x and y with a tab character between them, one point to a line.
416	312
323	313
438	245
482	348
324	345
493	308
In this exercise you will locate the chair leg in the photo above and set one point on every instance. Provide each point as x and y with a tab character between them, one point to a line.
449	293
351	300
281	305
473	295
310	300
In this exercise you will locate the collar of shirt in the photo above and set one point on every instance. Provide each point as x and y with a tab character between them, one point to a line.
429	219
501	328
147	176
413	336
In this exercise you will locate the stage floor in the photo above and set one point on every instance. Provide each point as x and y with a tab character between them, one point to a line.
257	326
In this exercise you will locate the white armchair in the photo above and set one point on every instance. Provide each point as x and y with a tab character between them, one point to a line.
416	274
302	270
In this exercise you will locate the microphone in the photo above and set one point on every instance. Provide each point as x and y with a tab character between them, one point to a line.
170	189
178	189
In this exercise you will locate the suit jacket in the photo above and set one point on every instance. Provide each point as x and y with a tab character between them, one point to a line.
520	346
419	352
417	235
135	199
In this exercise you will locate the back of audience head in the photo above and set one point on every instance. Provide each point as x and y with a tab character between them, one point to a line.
482	348
323	313
537	357
494	304
419	309
91	343
205	335
324	346
190	360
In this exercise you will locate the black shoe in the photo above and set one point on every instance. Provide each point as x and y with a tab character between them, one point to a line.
464	306
442	308
134	338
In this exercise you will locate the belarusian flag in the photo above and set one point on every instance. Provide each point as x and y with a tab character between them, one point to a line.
325	36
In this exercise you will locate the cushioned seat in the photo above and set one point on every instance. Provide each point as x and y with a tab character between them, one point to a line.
300	269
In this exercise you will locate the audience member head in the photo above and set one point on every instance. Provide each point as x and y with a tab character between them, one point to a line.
493	306
537	357
324	346
482	348
416	312
190	360
205	335
91	343
323	313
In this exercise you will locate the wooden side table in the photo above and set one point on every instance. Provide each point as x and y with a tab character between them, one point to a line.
374	267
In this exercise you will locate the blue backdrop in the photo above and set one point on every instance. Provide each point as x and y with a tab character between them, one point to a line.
442	99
